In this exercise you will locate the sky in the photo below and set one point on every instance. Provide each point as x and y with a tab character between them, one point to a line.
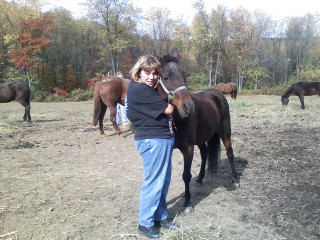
277	9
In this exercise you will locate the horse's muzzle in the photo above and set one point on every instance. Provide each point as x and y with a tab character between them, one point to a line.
186	109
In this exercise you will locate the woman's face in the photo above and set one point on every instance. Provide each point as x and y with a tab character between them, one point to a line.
149	78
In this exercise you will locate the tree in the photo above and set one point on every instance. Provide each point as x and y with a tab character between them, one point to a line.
219	29
34	40
200	34
116	18
240	48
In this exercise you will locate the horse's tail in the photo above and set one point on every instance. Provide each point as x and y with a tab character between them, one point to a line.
28	96
214	150
235	90
97	104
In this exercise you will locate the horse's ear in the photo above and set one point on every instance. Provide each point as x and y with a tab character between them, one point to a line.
157	55
176	54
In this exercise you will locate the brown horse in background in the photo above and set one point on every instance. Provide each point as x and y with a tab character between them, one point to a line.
301	89
18	91
108	92
201	118
227	88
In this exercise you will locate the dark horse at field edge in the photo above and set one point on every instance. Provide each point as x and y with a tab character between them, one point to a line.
201	118
18	91
108	92
227	88
301	89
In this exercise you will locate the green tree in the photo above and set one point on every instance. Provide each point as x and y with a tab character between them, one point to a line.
116	17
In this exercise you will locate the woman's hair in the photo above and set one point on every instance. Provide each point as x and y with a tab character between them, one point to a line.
147	63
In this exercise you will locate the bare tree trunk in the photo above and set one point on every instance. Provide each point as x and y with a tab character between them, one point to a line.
256	82
217	67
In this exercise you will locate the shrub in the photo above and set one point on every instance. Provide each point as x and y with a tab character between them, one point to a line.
197	81
39	94
264	91
80	94
55	97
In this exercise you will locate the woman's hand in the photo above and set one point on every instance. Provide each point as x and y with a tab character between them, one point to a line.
169	109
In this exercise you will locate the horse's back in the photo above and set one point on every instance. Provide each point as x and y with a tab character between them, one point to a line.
219	87
306	88
226	87
215	97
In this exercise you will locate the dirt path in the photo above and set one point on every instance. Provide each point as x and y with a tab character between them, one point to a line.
59	179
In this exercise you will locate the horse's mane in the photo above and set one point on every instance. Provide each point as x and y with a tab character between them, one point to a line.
169	58
288	92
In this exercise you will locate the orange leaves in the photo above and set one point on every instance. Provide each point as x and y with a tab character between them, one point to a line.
34	39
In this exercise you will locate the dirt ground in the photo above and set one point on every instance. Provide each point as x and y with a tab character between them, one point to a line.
59	179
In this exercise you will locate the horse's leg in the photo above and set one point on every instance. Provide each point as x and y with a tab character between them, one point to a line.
227	143
28	114
102	112
113	113
301	97
186	176
204	155
214	153
232	97
27	108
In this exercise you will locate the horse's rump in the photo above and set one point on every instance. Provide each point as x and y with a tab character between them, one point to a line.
108	92
15	90
18	91
227	88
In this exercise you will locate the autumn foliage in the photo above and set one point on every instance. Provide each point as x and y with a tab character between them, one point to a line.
33	39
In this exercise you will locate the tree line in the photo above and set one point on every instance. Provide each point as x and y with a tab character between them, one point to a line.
54	49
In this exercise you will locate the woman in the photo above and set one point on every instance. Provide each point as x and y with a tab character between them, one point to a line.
154	141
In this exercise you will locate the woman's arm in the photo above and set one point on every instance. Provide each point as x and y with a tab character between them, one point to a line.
169	109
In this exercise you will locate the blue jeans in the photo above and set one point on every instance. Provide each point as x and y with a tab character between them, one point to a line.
156	159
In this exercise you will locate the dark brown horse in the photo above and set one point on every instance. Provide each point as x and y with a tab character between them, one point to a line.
227	88
19	91
108	92
201	118
301	89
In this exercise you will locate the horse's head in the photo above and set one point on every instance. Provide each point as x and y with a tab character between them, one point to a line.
284	100
172	85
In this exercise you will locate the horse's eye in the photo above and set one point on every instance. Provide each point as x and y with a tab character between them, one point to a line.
165	78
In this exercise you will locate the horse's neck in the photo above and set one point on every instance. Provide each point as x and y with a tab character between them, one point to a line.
288	92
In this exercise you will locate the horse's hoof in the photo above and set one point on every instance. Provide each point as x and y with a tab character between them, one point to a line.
198	183
236	184
188	209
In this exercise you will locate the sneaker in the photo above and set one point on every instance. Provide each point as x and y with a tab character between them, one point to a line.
150	232
168	224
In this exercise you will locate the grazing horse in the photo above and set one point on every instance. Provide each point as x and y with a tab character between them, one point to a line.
19	91
201	118
227	88
108	92
301	89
